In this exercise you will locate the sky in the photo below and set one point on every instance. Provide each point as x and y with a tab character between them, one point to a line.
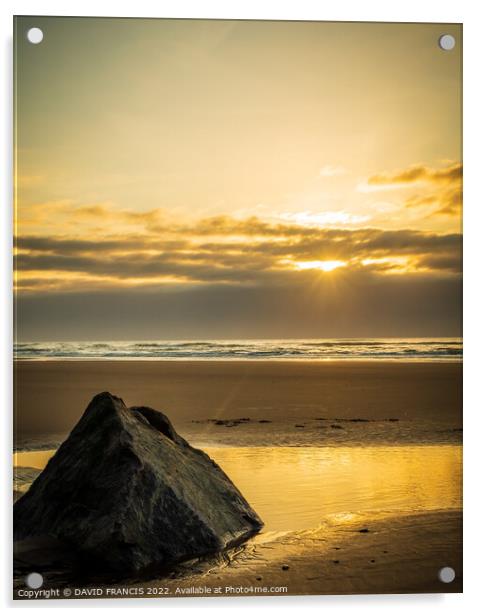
181	179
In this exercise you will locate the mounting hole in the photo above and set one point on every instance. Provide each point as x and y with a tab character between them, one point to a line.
35	36
34	580
446	575
446	42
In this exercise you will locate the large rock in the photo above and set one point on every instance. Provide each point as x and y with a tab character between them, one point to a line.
128	493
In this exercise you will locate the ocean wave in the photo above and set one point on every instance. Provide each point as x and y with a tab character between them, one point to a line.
437	349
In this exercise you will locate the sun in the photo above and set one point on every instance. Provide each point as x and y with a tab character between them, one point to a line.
325	266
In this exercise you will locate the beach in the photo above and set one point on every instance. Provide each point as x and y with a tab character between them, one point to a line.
354	466
398	554
50	396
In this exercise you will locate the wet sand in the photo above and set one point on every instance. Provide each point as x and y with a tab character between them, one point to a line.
404	494
50	396
397	554
359	554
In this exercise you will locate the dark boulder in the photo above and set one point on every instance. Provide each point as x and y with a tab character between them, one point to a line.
128	493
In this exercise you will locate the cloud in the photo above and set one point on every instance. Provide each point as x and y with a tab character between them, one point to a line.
124	243
302	306
70	245
418	173
438	191
447	202
106	213
228	251
69	216
318	219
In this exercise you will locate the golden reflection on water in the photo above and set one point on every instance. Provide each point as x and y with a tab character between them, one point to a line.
297	487
294	488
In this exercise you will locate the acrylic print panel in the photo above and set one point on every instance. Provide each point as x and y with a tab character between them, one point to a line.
238	308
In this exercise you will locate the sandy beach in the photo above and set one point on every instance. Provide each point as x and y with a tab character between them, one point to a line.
354	466
358	554
51	396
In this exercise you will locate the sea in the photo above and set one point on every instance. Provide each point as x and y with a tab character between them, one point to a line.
420	349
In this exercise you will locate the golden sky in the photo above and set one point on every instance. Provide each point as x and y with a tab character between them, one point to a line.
159	157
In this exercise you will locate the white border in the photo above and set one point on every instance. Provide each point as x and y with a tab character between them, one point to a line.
466	11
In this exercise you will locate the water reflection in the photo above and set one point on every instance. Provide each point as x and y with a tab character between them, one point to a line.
297	487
